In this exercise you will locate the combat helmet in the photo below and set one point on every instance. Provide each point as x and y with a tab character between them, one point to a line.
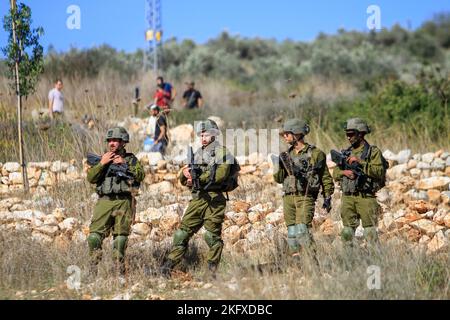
295	126
357	124
209	126
118	133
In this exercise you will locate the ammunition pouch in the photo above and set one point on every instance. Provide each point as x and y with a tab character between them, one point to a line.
113	185
290	185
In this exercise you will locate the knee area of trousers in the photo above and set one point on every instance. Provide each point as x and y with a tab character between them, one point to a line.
120	242
94	241
301	230
292	231
180	238
347	234
370	233
212	239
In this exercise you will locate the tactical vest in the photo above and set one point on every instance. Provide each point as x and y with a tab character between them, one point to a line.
368	185
207	160
116	185
305	178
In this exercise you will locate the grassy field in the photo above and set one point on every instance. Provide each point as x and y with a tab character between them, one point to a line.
29	270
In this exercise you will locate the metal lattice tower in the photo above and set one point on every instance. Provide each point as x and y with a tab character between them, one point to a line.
153	34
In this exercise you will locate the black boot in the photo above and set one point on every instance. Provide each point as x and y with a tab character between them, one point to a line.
167	267
119	268
93	269
212	269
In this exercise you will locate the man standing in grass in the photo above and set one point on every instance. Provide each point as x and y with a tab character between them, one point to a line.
303	172
117	175
56	100
360	183
212	171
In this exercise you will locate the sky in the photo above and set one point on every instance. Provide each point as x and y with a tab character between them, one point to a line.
122	24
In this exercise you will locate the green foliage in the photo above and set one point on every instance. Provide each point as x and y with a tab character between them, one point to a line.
78	64
419	108
26	49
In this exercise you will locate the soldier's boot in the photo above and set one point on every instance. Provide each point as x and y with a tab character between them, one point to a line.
119	247
371	235
167	267
293	245
347	235
373	243
94	241
307	243
215	244
212	270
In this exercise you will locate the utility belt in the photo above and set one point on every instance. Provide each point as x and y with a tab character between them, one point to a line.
118	196
207	195
303	194
359	194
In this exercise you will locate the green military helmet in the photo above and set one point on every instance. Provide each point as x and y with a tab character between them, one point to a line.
357	124
207	126
296	126
118	133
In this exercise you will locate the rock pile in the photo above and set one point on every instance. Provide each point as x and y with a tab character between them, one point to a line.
415	204
41	175
416	200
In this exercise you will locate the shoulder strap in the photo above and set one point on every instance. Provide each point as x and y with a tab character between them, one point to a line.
131	158
366	151
309	151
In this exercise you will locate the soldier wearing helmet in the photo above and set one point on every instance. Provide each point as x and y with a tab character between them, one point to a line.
303	172
358	199
115	207
214	166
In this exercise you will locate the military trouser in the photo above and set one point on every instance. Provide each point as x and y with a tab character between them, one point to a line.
111	213
356	207
208	210
298	215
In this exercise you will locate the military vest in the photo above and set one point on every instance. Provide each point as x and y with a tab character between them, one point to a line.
304	177
207	158
116	185
367	185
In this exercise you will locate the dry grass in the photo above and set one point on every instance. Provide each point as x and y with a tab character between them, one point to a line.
29	270
405	274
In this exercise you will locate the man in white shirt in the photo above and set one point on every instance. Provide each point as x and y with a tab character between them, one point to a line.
56	99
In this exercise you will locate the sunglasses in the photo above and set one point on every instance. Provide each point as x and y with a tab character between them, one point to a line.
286	133
351	134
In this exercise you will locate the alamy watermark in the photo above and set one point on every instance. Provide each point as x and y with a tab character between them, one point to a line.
374	279
240	142
73	22
374	20
73	282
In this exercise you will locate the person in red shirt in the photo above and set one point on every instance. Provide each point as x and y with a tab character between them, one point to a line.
162	98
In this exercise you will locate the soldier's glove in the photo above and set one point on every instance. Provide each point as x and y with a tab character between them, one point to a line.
327	204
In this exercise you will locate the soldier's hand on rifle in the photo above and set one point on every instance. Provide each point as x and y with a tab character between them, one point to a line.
107	158
118	160
353	159
187	173
349	174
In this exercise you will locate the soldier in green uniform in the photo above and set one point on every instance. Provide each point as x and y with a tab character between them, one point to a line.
215	167
358	198
115	207
303	172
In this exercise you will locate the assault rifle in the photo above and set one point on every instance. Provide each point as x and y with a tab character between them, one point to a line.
114	170
195	170
341	161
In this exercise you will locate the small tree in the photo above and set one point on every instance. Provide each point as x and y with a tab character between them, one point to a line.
25	62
